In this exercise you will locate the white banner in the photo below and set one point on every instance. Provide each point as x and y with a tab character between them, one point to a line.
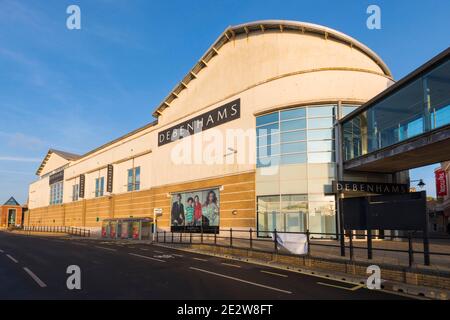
293	242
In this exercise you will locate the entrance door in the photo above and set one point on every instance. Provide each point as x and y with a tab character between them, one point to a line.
11	217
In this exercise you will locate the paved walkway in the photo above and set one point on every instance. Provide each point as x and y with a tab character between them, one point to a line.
331	249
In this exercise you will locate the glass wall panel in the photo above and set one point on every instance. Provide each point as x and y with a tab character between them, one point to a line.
293	147
293	124
293	136
419	107
268	118
317	123
293	113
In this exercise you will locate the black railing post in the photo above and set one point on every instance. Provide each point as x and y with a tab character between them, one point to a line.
350	241
172	236
251	238
201	236
231	237
157	236
426	248
410	250
308	241
369	244
190	237
164	236
275	244
215	238
342	242
181	237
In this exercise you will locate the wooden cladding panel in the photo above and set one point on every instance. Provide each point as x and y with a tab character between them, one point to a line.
237	204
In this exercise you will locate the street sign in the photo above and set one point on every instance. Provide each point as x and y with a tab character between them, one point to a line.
158	212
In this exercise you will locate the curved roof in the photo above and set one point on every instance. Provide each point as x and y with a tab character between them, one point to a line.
261	26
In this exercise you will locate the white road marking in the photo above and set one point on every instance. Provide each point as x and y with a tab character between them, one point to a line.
241	280
157	251
145	257
35	278
143	249
199	259
275	274
230	265
105	248
340	287
1	251
12	258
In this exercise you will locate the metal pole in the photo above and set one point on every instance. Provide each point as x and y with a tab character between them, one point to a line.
251	238
231	237
351	244
275	240
369	244
308	241
426	248
201	235
164	236
410	250
215	238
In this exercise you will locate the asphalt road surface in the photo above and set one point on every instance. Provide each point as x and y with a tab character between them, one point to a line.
33	267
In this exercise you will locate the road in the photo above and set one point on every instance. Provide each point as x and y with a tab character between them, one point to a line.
34	267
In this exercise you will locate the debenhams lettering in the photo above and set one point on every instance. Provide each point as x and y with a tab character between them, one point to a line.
205	121
369	187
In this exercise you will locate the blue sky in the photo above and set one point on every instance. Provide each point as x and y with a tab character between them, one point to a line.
77	89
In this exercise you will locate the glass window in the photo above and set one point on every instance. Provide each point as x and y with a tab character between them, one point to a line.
268	118
137	174
268	161
99	186
346	109
322	134
317	123
293	113
295	208
293	136
320	157
56	193
268	139
321	111
134	179
268	129
293	158
293	147
267	151
326	145
437	84
293	125
75	192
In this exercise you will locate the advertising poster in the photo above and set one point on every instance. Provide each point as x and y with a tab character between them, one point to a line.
195	211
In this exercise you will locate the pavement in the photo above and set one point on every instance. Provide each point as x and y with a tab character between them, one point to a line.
325	248
35	267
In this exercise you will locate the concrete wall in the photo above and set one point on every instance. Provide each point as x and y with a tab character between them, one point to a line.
266	71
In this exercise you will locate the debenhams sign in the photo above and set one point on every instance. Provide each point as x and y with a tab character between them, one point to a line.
205	121
369	187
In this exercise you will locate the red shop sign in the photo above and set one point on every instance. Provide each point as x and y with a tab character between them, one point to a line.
441	182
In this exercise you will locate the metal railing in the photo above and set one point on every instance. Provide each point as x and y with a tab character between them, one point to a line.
59	229
246	239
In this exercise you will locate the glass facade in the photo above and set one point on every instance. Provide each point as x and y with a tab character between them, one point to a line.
56	193
99	186
421	106
296	135
134	179
300	140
